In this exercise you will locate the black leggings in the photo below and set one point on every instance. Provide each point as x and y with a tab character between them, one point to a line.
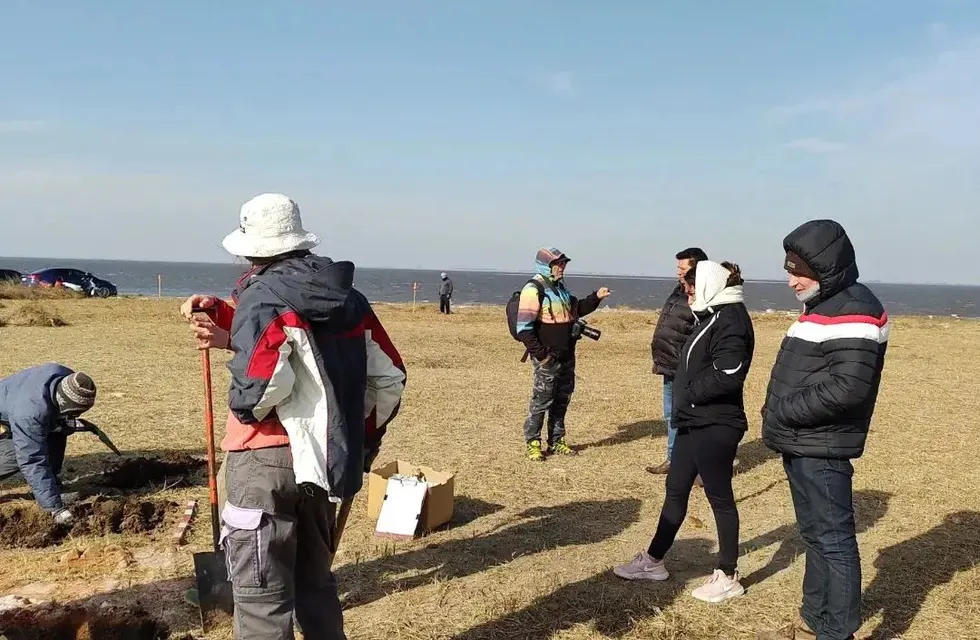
709	451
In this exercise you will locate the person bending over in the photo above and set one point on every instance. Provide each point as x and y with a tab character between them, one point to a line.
38	410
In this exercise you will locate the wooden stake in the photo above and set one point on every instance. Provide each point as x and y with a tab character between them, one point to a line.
190	509
159	285
415	289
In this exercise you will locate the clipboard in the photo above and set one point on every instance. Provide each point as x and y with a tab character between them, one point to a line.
401	510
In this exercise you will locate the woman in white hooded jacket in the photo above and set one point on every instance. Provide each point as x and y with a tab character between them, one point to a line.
709	414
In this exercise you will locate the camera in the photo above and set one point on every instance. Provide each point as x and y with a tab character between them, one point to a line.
581	328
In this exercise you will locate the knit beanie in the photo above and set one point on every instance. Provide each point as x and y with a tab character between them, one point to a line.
75	394
798	267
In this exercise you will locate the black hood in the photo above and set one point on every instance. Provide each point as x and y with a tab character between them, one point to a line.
314	286
825	247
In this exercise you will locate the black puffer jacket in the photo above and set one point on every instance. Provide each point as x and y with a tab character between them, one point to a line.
674	326
712	370
825	381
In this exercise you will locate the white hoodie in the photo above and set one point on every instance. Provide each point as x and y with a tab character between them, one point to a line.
709	287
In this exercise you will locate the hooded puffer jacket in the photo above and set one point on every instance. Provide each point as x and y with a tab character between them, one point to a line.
824	384
717	356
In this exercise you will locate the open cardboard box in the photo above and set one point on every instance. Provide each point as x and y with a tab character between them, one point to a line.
437	508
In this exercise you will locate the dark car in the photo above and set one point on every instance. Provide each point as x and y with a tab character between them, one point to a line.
9	275
82	281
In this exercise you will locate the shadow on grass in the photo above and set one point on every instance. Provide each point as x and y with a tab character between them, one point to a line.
468	510
753	454
612	605
629	433
910	570
870	506
540	529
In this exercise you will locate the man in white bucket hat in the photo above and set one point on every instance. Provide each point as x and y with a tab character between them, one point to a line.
314	382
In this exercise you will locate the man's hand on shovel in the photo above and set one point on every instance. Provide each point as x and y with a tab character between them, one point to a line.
199	311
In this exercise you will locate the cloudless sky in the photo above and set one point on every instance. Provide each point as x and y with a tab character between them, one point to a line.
449	135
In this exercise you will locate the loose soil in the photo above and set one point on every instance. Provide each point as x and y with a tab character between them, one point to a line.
66	622
136	473
27	526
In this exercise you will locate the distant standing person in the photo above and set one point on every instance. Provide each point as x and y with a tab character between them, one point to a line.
710	419
818	409
675	324
445	293
545	320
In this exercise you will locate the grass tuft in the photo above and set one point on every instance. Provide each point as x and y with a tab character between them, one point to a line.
34	314
14	291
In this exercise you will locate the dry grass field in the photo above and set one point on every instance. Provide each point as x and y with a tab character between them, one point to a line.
530	549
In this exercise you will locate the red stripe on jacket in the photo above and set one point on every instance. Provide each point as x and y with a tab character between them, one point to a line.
265	355
827	320
379	335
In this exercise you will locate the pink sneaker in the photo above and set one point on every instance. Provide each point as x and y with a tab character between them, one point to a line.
642	567
719	588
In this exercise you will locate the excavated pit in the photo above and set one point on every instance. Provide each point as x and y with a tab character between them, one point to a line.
27	526
66	622
137	473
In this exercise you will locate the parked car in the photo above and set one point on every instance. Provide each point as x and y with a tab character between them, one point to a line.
9	275
76	279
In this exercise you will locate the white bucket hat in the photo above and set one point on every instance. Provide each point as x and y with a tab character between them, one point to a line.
270	226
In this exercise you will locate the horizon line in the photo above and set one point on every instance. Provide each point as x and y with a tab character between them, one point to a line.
60	262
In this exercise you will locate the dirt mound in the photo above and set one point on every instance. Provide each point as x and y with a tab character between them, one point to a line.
27	526
136	473
65	622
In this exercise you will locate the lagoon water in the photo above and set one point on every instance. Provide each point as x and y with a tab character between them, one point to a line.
484	287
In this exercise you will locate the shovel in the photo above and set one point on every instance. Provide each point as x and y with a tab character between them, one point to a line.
338	531
214	594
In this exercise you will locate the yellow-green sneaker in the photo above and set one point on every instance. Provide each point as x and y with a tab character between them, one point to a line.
534	453
559	448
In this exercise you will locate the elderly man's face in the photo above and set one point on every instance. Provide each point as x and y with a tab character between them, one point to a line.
799	284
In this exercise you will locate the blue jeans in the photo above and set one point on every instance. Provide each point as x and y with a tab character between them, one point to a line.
668	410
821	490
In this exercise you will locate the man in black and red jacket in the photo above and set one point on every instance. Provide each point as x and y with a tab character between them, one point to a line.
818	409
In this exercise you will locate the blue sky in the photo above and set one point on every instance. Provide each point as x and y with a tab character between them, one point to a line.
467	134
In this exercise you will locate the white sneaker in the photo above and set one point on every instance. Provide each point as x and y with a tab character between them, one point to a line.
719	588
642	567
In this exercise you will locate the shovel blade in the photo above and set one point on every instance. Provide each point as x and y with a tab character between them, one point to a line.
214	592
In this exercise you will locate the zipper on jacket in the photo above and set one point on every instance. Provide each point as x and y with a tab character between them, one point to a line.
687	359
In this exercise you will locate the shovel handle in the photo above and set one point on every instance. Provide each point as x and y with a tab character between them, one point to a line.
209	435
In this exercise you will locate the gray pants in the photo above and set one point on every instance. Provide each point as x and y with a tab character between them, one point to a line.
8	455
277	539
551	392
8	459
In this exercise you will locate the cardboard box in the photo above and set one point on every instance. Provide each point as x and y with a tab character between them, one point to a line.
437	509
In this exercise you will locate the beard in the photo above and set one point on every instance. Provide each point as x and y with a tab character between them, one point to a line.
808	294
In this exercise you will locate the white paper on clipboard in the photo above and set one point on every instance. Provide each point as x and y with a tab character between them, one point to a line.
402	507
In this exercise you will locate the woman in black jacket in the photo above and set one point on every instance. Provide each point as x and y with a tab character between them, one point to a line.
710	417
